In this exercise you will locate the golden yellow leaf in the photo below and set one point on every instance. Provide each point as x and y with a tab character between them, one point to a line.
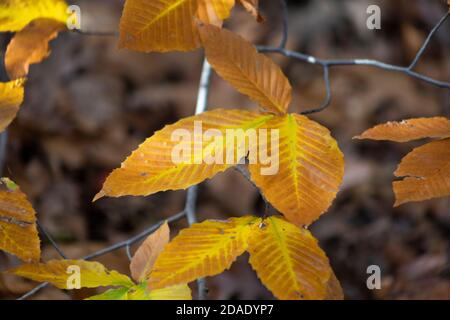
139	292
146	255
222	7
18	232
30	45
310	168
251	73
288	260
16	14
252	7
159	25
112	294
407	130
59	272
204	249
11	97
179	292
427	172
151	168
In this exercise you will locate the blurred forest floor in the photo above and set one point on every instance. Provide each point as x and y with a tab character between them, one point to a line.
89	105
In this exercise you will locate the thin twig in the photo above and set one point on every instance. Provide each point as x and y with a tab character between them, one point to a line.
113	247
327	63
50	239
191	199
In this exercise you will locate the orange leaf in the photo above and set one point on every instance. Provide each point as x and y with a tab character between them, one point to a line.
252	7
214	11
288	260
145	256
159	25
251	73
427	172
18	233
407	130
11	97
310	168
30	46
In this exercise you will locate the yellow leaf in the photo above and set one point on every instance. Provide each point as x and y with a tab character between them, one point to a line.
288	260
159	25
151	168
180	292
427	172
30	46
18	233
11	97
251	73
252	7
60	273
204	249
16	14
139	292
407	130
222	7
310	169
112	294
146	255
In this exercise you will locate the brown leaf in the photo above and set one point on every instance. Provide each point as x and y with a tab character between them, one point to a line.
407	130
145	257
30	45
427	171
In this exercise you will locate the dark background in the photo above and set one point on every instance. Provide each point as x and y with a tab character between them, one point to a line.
89	105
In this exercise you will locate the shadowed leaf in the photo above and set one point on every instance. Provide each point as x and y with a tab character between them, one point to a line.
30	45
146	255
18	232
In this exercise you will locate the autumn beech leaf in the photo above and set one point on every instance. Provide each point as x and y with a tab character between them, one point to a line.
145	256
310	170
18	232
426	170
16	14
252	7
408	130
11	97
58	272
140	292
159	164
427	173
159	25
288	260
251	73
30	45
204	249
